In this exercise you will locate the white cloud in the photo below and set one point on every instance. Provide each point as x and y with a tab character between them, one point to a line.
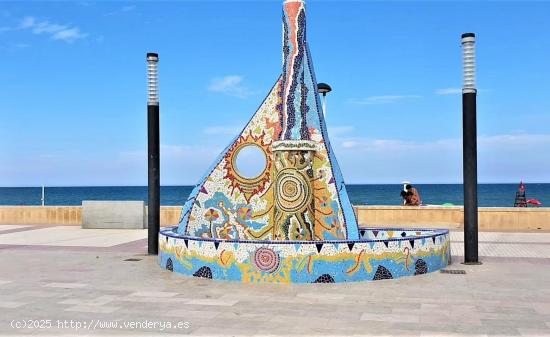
504	141
121	10
456	91
337	131
397	145
56	31
68	35
180	164
384	99
15	47
516	140
233	130
230	85
449	91
27	22
501	158
222	130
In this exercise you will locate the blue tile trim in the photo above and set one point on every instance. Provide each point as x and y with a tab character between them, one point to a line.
436	232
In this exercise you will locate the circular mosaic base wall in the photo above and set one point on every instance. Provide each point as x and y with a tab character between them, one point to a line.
381	254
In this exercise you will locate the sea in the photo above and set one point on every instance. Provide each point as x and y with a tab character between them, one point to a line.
489	195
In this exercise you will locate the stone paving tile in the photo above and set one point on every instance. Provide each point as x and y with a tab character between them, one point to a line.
510	237
541	308
489	330
437	318
505	309
378	309
398	332
9	227
137	332
534	332
507	316
213	301
515	323
99	301
65	285
235	296
72	236
3	282
320	295
92	308
439	334
403	318
220	331
294	320
138	299
39	294
154	294
10	305
192	316
496	298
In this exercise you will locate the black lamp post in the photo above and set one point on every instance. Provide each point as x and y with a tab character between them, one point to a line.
153	154
324	89
469	150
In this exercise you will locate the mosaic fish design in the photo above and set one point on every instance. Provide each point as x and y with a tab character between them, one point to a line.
300	194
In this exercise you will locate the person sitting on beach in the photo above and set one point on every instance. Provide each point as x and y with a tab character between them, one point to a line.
412	197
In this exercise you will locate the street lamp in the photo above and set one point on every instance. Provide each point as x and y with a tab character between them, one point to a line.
469	149
324	89
153	154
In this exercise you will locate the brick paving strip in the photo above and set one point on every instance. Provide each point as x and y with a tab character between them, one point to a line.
22	228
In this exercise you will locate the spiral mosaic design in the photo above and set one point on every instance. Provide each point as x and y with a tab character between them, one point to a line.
266	259
293	192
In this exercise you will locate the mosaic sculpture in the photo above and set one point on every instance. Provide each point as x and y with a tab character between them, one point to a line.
293	222
300	195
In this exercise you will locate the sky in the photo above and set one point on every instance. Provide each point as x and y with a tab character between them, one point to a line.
73	87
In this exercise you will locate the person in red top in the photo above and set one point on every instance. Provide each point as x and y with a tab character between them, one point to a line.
412	197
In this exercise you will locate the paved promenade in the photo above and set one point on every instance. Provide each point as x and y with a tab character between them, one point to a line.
68	281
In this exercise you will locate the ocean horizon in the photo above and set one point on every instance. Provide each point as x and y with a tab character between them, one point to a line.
489	195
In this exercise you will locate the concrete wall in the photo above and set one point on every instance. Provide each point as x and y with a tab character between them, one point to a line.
67	215
490	218
42	215
113	214
170	215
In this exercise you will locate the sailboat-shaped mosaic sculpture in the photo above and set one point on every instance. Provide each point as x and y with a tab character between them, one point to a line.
292	221
300	193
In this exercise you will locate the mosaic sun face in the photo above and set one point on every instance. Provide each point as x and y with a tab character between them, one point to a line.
247	186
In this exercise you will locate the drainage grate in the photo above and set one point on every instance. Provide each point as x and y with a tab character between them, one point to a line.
453	271
132	259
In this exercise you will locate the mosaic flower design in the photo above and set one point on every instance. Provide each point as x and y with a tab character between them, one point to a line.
244	213
211	215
